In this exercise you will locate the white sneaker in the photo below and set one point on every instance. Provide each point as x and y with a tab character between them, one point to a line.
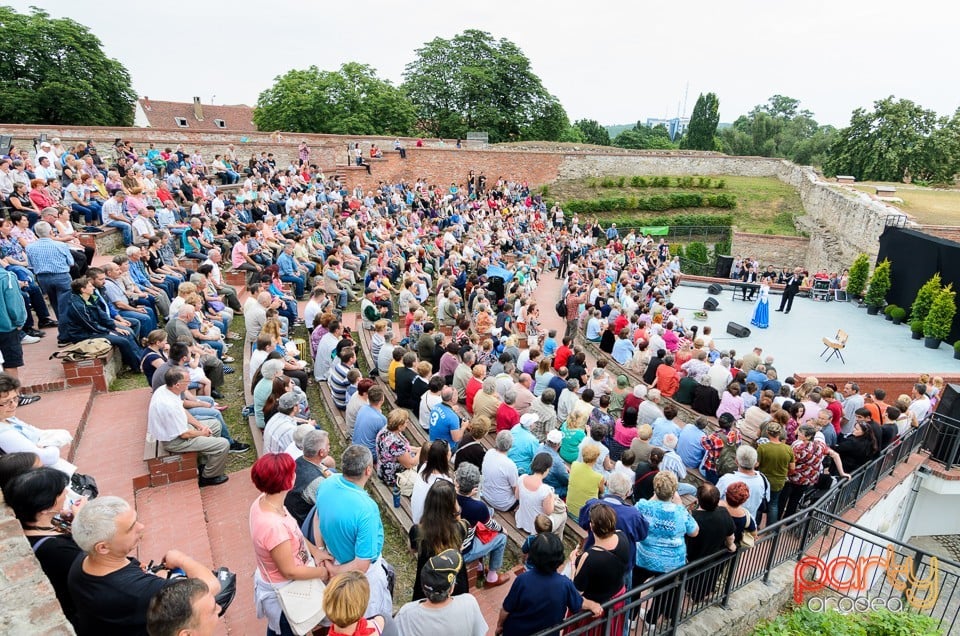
28	339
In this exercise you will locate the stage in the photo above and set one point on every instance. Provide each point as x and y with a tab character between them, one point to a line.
876	346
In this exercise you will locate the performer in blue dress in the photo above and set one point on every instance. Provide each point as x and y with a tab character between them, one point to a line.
761	312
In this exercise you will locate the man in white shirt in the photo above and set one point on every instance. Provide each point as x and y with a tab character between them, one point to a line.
920	406
324	358
179	432
719	375
500	474
747	473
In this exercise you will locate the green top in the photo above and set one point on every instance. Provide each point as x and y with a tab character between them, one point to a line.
584	485
775	460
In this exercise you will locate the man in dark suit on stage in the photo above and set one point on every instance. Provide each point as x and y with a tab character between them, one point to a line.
792	287
749	276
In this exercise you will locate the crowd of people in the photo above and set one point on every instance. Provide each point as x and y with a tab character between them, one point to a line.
521	423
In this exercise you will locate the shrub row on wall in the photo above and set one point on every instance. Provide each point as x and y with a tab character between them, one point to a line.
656	182
655	203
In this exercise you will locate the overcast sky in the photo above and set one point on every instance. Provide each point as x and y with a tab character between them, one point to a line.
615	62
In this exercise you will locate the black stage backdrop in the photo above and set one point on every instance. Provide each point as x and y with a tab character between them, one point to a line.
914	258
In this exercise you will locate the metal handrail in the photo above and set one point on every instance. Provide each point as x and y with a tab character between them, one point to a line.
786	540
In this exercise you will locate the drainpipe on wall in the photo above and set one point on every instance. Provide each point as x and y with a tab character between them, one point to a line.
919	476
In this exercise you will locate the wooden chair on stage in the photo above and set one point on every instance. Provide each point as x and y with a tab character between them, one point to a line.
835	345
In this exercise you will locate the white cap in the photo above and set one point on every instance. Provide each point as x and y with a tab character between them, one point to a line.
554	436
527	419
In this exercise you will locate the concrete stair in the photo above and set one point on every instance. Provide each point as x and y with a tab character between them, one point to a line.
68	410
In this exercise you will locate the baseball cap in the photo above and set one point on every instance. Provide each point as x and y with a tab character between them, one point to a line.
288	400
439	572
555	436
528	418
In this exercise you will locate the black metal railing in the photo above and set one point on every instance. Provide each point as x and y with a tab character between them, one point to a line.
942	439
818	530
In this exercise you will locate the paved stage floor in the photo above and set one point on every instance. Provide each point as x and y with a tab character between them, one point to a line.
875	344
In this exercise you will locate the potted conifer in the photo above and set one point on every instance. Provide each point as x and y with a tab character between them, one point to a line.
857	278
879	286
916	329
939	321
888	311
956	350
925	295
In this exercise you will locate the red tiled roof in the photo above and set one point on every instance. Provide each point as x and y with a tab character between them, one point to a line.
238	118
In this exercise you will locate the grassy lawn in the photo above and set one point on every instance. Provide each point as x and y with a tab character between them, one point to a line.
765	205
926	205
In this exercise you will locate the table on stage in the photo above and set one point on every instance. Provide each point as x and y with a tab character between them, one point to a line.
744	288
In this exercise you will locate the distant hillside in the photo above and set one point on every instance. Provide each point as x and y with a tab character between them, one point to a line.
618	128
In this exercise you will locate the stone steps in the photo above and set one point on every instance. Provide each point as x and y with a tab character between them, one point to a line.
68	409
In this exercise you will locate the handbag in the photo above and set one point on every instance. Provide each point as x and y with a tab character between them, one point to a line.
559	505
301	602
748	539
485	534
405	481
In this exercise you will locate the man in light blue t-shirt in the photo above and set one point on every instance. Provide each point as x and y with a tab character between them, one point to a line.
444	421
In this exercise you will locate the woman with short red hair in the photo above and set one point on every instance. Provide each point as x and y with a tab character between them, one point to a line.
283	554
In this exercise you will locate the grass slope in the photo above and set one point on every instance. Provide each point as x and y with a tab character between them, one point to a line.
765	205
928	206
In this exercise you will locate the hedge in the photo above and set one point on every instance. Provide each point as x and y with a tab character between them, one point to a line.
655	203
656	182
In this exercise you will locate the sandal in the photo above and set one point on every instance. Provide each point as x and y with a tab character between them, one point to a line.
227	359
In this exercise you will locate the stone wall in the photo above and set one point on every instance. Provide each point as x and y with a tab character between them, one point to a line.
769	249
29	604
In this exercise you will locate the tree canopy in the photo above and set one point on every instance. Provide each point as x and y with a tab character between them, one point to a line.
474	82
54	71
643	137
779	128
897	139
702	131
593	132
351	101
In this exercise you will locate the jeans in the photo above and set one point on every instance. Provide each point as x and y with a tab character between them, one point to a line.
210	413
130	352
686	489
90	215
55	286
297	283
773	507
146	321
495	549
125	228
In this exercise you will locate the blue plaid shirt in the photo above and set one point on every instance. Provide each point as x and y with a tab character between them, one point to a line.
47	256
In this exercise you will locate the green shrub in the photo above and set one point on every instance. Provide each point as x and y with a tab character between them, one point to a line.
857	279
621	181
938	322
898	314
697	251
879	285
883	622
544	191
916	326
925	295
888	310
655	203
956	345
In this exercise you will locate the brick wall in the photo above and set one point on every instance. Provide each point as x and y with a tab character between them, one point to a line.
951	233
894	384
779	251
29	604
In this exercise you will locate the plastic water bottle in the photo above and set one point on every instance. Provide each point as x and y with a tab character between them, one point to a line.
396	497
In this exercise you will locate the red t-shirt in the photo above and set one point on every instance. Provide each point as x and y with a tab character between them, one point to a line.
667	380
561	356
836	413
473	387
507	417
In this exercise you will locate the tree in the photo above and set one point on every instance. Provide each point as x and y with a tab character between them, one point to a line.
54	71
476	83
702	131
879	285
351	101
643	137
779	128
857	278
593	132
939	321
898	139
924	299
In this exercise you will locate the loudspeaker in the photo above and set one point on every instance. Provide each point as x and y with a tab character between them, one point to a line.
711	304
724	265
715	289
738	330
950	401
945	446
